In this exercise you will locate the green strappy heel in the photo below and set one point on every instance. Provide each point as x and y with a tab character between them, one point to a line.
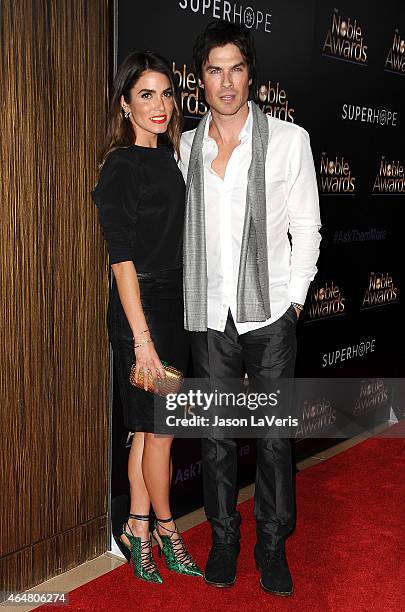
174	551
141	553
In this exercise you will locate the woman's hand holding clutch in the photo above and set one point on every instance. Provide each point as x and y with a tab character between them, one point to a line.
147	363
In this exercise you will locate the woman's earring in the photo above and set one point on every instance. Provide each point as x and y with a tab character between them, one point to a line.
126	114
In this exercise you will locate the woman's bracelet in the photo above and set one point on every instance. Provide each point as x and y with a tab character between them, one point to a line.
296	305
142	343
140	333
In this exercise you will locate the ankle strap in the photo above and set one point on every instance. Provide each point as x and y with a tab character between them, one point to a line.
139	517
164	520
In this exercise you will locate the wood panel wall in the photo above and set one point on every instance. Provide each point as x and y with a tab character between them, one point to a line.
54	288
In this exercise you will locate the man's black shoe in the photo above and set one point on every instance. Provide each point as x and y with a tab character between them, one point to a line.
275	573
220	570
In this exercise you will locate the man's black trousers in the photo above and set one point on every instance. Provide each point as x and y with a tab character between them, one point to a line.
265	353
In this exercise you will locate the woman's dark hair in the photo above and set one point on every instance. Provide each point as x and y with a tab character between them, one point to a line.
120	132
218	34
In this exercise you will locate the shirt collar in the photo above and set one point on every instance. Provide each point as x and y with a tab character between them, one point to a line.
245	132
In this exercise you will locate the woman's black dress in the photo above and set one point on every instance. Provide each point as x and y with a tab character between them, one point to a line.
140	200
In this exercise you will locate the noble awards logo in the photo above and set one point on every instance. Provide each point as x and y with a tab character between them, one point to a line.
317	416
381	291
273	100
344	40
192	101
372	395
395	61
230	11
335	177
390	178
324	302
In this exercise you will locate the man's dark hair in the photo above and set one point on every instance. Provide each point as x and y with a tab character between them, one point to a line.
218	34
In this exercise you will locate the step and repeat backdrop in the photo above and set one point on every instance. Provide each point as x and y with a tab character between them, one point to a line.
338	70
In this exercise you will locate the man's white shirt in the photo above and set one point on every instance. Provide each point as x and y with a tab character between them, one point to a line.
292	206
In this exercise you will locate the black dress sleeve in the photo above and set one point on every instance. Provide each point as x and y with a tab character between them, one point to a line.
116	195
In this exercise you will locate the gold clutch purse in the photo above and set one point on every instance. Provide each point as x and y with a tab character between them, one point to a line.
170	384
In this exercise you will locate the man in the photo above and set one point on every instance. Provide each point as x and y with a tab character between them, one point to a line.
250	180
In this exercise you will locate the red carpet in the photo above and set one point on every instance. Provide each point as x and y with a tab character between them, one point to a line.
346	554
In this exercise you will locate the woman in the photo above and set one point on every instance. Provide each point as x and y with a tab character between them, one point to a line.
140	200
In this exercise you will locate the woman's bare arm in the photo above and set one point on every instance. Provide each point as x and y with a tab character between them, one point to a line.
129	292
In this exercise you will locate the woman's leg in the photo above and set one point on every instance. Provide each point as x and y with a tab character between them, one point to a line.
140	502
157	471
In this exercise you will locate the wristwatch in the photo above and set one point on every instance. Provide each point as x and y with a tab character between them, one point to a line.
296	305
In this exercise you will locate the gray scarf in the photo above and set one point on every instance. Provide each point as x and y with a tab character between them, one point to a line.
253	301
